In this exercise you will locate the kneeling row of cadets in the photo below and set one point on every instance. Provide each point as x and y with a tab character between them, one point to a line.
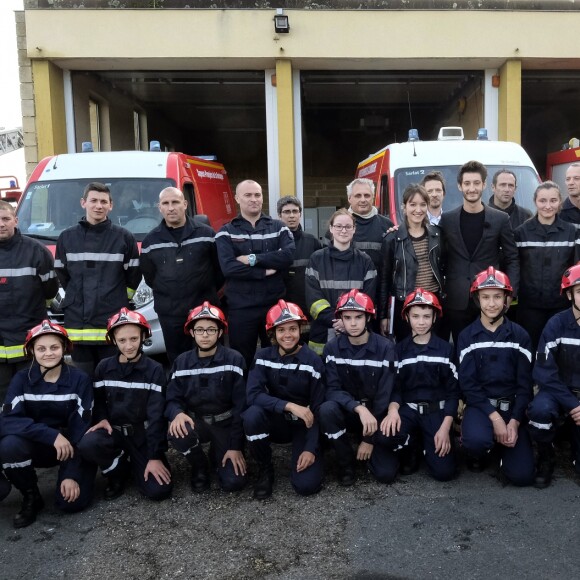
399	401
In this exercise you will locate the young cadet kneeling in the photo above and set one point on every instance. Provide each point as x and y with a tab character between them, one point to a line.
47	411
285	390
426	395
205	398
130	433
557	373
360	376
495	362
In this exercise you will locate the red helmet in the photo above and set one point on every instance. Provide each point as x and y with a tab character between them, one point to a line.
420	297
355	300
491	278
206	312
126	316
571	277
46	327
283	312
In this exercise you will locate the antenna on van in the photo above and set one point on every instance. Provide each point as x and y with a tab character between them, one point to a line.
411	118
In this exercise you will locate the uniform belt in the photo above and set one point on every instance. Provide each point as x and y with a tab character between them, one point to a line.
129	429
502	404
290	416
211	419
427	407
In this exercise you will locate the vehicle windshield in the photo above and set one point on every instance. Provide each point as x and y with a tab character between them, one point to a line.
49	207
527	181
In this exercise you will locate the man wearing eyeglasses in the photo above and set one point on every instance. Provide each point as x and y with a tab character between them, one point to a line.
571	208
254	251
290	212
179	262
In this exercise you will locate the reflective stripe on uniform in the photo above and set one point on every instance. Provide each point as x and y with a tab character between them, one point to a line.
17	272
367	245
543	426
165	245
208	371
128	385
317	347
335	435
17	465
547	244
490	344
291	366
428	359
95	257
130	293
11	352
132	263
318	306
114	464
257	437
242	237
87	334
51	398
359	363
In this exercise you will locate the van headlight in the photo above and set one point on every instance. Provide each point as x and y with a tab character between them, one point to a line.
143	295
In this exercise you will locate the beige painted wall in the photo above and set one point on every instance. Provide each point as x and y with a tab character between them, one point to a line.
245	38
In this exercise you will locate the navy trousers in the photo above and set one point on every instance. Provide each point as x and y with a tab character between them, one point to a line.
245	327
111	453
517	463
262	427
218	435
417	429
20	456
545	415
335	423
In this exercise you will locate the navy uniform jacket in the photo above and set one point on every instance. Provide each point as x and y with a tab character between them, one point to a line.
272	243
182	274
276	380
98	266
209	386
306	245
496	365
557	368
132	394
27	280
545	254
363	374
496	244
39	411
332	272
427	374
570	213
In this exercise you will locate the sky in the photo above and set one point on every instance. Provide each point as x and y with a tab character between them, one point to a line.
10	113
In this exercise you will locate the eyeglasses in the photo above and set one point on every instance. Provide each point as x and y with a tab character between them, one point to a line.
290	212
343	228
208	331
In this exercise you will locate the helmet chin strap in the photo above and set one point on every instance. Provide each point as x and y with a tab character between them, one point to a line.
48	369
139	351
574	307
504	310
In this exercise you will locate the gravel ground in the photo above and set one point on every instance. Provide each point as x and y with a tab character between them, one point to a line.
473	527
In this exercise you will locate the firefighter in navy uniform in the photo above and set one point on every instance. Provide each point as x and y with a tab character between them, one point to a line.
254	252
130	431
495	376
360	377
47	411
97	263
426	395
205	398
557	373
284	392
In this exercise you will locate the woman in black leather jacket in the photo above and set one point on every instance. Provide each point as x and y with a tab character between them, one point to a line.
411	258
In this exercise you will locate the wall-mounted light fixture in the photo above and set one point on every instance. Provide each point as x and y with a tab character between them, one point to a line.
281	22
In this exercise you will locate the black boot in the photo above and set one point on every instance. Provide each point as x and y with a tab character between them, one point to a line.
5	486
200	478
32	503
410	459
346	460
264	482
347	474
476	464
545	467
115	487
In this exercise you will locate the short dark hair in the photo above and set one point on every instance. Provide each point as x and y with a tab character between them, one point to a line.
498	173
472	167
434	176
96	186
288	199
